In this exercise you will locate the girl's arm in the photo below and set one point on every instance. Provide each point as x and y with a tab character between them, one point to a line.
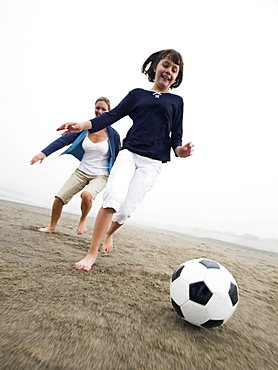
73	127
104	120
177	125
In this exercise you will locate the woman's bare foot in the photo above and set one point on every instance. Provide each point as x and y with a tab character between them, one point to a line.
81	227
107	244
86	263
47	229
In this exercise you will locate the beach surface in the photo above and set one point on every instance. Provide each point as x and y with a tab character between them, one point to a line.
119	315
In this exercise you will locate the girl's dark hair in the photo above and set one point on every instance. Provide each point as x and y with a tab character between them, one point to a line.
106	100
149	66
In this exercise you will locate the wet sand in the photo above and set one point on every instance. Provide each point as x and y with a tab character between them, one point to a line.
119	315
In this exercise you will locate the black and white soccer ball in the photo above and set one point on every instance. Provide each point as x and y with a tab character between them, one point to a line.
204	293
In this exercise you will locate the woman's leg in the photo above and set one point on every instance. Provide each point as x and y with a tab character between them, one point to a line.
86	205
95	186
72	186
56	212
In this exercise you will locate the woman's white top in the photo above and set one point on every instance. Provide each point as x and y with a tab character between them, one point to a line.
95	158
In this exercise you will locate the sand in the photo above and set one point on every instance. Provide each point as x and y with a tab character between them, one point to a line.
119	315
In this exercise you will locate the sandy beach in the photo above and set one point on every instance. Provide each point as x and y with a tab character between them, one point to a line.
119	315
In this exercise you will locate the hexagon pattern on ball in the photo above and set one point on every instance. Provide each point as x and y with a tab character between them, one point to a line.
203	292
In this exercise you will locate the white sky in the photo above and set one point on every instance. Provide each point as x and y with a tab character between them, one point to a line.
58	56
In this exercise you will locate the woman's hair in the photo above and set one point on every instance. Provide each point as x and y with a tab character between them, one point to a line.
149	66
106	100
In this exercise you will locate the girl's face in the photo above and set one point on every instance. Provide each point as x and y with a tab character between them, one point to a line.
100	107
166	73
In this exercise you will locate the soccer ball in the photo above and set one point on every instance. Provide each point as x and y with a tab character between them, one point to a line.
203	292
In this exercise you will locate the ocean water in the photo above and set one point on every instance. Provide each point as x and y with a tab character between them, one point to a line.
33	200
209	236
16	196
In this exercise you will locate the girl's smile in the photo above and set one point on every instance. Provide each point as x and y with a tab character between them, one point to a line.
166	73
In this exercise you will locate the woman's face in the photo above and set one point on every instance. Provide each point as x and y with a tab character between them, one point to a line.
100	107
166	73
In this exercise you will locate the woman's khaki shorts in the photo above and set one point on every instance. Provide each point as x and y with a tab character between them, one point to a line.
77	181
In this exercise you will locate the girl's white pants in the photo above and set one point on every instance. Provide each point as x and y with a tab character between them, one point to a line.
131	177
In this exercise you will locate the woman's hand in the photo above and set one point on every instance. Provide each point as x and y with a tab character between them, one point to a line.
185	150
73	127
38	158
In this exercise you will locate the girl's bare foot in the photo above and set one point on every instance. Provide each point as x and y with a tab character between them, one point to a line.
47	229
107	244
81	227
86	263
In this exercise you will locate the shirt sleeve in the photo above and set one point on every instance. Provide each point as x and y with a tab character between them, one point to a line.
108	118
177	129
60	143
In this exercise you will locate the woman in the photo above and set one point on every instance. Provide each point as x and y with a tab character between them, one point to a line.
97	153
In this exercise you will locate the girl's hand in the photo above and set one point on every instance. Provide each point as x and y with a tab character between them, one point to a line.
185	150
38	158
72	127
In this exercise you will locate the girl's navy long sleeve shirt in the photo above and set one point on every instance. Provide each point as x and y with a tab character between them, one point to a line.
157	122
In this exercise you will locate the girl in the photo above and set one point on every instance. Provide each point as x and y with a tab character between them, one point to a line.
97	152
157	126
